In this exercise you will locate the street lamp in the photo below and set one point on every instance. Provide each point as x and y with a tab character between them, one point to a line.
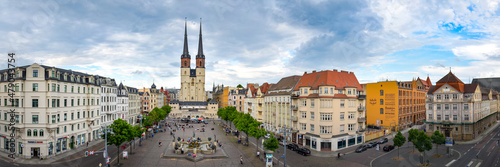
106	130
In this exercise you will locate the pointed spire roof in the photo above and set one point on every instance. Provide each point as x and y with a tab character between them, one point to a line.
428	80
185	52
200	47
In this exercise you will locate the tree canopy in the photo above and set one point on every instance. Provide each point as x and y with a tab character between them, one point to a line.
399	140
422	142
271	143
412	134
239	86
122	132
438	139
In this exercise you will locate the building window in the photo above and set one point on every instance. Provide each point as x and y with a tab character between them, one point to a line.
65	116
350	116
312	115
35	73
34	102
466	128
326	116
325	129
341	128
466	117
381	101
302	126
455	106
342	116
446	117
438	106
303	114
41	132
466	106
35	87
438	97
455	96
381	110
446	96
350	127
28	132
342	103
381	92
58	117
312	128
35	132
53	118
349	91
429	106
446	106
455	117
430	117
65	88
439	117
34	119
65	129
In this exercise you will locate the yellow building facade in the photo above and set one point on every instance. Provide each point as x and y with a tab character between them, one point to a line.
393	104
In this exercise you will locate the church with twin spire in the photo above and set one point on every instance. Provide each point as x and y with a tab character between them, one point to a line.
192	101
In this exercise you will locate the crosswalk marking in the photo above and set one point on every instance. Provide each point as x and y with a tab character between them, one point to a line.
478	164
451	162
470	163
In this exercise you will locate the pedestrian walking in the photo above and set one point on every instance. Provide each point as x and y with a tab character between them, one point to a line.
241	159
87	144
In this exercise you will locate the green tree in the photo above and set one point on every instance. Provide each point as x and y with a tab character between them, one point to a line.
257	132
438	139
136	133
167	109
422	142
412	134
399	140
209	99
244	123
239	86
271	143
122	132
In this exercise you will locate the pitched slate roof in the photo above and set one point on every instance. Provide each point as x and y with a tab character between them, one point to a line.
449	78
492	83
340	80
286	83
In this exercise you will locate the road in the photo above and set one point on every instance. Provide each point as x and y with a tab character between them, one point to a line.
484	153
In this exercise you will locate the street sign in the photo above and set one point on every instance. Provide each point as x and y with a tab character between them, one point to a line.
449	141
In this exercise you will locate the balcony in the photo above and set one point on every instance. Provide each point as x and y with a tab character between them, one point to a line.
361	108
361	97
294	107
362	119
295	96
294	118
429	100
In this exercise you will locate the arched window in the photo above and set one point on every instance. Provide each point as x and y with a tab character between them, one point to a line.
200	64
29	132
185	63
35	132
41	132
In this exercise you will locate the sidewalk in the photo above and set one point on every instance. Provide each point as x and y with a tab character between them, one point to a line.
481	136
75	153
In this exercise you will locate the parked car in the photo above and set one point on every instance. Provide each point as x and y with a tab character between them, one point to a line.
282	143
292	146
361	148
382	141
267	136
388	147
371	144
304	151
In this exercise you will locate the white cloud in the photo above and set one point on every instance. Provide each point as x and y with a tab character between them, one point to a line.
477	52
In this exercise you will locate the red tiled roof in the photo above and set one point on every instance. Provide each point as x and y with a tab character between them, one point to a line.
449	78
340	96
340	80
470	88
265	87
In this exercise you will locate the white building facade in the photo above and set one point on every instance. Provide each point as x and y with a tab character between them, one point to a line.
56	110
108	100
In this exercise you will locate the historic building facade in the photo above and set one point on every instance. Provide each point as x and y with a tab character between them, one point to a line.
192	101
108	100
254	100
396	105
277	106
327	115
236	98
134	105
56	110
458	110
122	104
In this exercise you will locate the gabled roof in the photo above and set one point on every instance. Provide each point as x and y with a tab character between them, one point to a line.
449	78
265	87
286	83
470	88
340	80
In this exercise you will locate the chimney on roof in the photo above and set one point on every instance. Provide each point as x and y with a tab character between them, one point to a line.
314	71
344	71
335	70
351	72
305	72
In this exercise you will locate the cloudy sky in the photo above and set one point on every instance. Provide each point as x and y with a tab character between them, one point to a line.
139	42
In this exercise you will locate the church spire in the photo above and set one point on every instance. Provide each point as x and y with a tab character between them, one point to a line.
200	46
185	53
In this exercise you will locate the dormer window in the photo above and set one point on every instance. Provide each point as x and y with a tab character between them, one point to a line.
72	78
305	91
65	77
53	74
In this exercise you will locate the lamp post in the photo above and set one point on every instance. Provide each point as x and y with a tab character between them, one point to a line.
106	130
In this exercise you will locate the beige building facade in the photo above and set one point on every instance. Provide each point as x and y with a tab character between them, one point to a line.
325	111
56	110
